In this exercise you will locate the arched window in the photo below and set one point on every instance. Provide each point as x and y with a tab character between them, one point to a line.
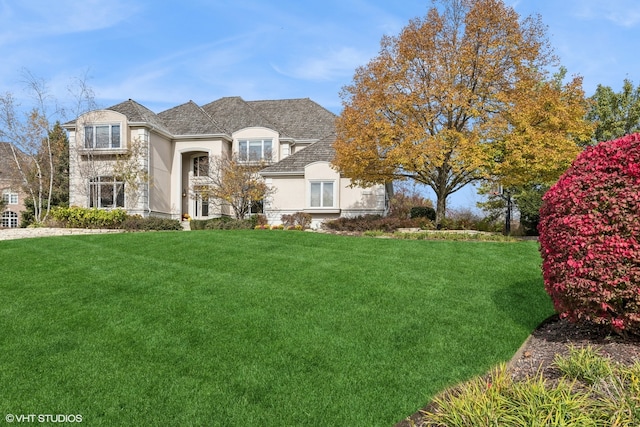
9	219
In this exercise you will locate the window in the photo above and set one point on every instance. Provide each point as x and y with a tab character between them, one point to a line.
253	150
9	197
106	192
201	166
321	194
102	136
9	219
202	206
256	207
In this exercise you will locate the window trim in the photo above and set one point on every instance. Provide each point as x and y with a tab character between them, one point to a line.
94	138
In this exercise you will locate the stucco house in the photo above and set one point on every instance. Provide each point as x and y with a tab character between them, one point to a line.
127	156
10	188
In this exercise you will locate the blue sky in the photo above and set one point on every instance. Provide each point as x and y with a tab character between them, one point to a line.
164	53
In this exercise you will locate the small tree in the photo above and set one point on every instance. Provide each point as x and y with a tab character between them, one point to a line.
232	182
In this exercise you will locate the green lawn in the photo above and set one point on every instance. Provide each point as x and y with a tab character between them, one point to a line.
255	328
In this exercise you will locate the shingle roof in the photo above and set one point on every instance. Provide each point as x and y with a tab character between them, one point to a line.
138	113
189	119
297	118
318	151
234	113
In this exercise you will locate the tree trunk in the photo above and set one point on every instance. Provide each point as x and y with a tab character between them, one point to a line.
441	209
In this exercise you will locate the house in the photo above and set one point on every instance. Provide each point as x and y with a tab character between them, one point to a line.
127	156
10	188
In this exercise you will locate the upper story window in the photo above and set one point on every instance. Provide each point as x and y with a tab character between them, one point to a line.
9	197
201	166
321	194
102	136
253	150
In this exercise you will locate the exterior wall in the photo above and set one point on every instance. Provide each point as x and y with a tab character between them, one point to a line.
160	160
293	194
85	164
286	200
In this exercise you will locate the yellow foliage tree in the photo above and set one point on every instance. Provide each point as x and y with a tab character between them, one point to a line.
434	101
233	182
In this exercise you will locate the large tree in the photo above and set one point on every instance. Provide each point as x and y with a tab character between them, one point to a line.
432	104
615	114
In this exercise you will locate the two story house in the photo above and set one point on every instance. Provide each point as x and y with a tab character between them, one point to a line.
10	188
127	156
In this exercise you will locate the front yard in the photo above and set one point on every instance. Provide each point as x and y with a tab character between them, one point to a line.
255	328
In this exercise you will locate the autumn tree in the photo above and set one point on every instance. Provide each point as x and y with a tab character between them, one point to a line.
615	114
432	104
232	182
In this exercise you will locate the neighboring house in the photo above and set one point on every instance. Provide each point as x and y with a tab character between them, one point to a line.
130	157
10	188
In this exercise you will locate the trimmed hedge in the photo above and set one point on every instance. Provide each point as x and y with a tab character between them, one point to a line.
589	237
76	217
377	222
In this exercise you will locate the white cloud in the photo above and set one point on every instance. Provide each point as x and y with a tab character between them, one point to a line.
623	13
31	19
335	63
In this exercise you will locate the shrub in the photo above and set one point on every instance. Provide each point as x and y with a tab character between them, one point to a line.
377	222
301	219
226	223
589	228
138	223
423	212
76	217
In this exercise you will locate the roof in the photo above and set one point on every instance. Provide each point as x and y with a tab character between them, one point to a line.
234	113
319	151
189	119
298	118
138	113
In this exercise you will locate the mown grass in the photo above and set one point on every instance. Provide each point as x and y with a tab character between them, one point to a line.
255	327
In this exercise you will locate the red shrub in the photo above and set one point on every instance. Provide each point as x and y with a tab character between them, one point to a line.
590	237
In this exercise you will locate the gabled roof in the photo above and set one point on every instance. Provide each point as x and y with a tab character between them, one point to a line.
297	118
234	113
189	119
138	113
318	151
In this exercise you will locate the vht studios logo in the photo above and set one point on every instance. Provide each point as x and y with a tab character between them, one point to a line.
43	418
